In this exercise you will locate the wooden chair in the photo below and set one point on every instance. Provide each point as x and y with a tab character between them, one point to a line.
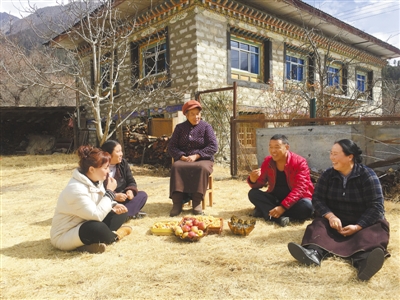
209	194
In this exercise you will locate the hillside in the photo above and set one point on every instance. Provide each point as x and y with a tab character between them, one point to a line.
7	21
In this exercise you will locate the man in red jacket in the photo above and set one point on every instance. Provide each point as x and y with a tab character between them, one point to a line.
289	189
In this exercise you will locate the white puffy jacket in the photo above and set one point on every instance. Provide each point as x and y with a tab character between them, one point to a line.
80	201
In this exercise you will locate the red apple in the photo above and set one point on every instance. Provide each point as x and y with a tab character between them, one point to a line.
186	228
192	234
201	225
195	222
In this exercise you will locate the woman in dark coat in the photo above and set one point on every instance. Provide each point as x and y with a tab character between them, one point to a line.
192	146
126	192
350	218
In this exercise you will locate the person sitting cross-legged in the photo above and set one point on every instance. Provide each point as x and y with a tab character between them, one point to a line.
350	218
290	189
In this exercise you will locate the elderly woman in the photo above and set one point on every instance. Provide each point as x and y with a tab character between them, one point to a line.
126	192
86	217
350	220
192	146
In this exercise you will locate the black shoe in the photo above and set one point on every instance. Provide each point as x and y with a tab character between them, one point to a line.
256	213
306	256
283	221
372	264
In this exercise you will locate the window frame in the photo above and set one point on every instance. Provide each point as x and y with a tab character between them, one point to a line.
364	74
249	53
142	59
247	79
298	56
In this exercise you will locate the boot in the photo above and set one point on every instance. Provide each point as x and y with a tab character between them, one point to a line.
92	248
176	204
372	264
196	203
123	231
306	256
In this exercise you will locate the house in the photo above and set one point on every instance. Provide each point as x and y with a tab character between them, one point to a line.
269	48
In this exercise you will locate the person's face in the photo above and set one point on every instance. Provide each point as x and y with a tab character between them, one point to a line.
194	116
98	174
341	162
116	155
278	150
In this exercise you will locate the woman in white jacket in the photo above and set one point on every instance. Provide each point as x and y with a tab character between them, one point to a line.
86	217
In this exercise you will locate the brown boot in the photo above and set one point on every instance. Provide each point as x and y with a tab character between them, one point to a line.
123	231
196	203
176	204
92	248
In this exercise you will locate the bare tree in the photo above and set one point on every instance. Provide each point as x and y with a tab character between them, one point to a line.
327	79
92	46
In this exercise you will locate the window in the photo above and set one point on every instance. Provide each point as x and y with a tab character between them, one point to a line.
245	57
150	60
249	59
361	81
295	67
333	77
154	59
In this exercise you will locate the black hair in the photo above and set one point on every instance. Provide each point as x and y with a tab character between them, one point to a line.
349	147
281	137
109	146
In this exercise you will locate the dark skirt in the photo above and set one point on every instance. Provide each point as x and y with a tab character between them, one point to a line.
321	234
190	177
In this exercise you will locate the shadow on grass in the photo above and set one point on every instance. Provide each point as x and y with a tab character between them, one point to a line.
41	249
43	223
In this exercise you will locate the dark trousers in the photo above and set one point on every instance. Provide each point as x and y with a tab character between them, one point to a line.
136	204
93	232
264	202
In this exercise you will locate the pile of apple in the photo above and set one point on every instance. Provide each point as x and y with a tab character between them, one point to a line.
190	228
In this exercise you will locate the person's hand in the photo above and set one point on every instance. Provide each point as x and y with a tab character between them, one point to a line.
111	184
120	197
276	212
335	223
119	209
350	230
129	194
190	158
255	174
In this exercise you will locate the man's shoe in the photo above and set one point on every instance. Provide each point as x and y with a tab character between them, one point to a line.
123	231
283	221
256	213
372	264
92	248
306	256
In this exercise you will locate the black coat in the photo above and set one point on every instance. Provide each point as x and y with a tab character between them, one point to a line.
124	178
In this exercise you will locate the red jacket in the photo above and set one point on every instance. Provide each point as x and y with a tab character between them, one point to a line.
297	175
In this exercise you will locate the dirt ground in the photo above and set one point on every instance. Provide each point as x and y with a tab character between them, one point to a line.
145	266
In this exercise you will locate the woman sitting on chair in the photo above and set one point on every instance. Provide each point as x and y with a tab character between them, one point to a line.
192	146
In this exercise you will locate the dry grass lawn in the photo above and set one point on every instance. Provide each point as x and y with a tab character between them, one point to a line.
144	266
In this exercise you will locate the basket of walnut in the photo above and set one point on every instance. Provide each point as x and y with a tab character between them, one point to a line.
241	227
